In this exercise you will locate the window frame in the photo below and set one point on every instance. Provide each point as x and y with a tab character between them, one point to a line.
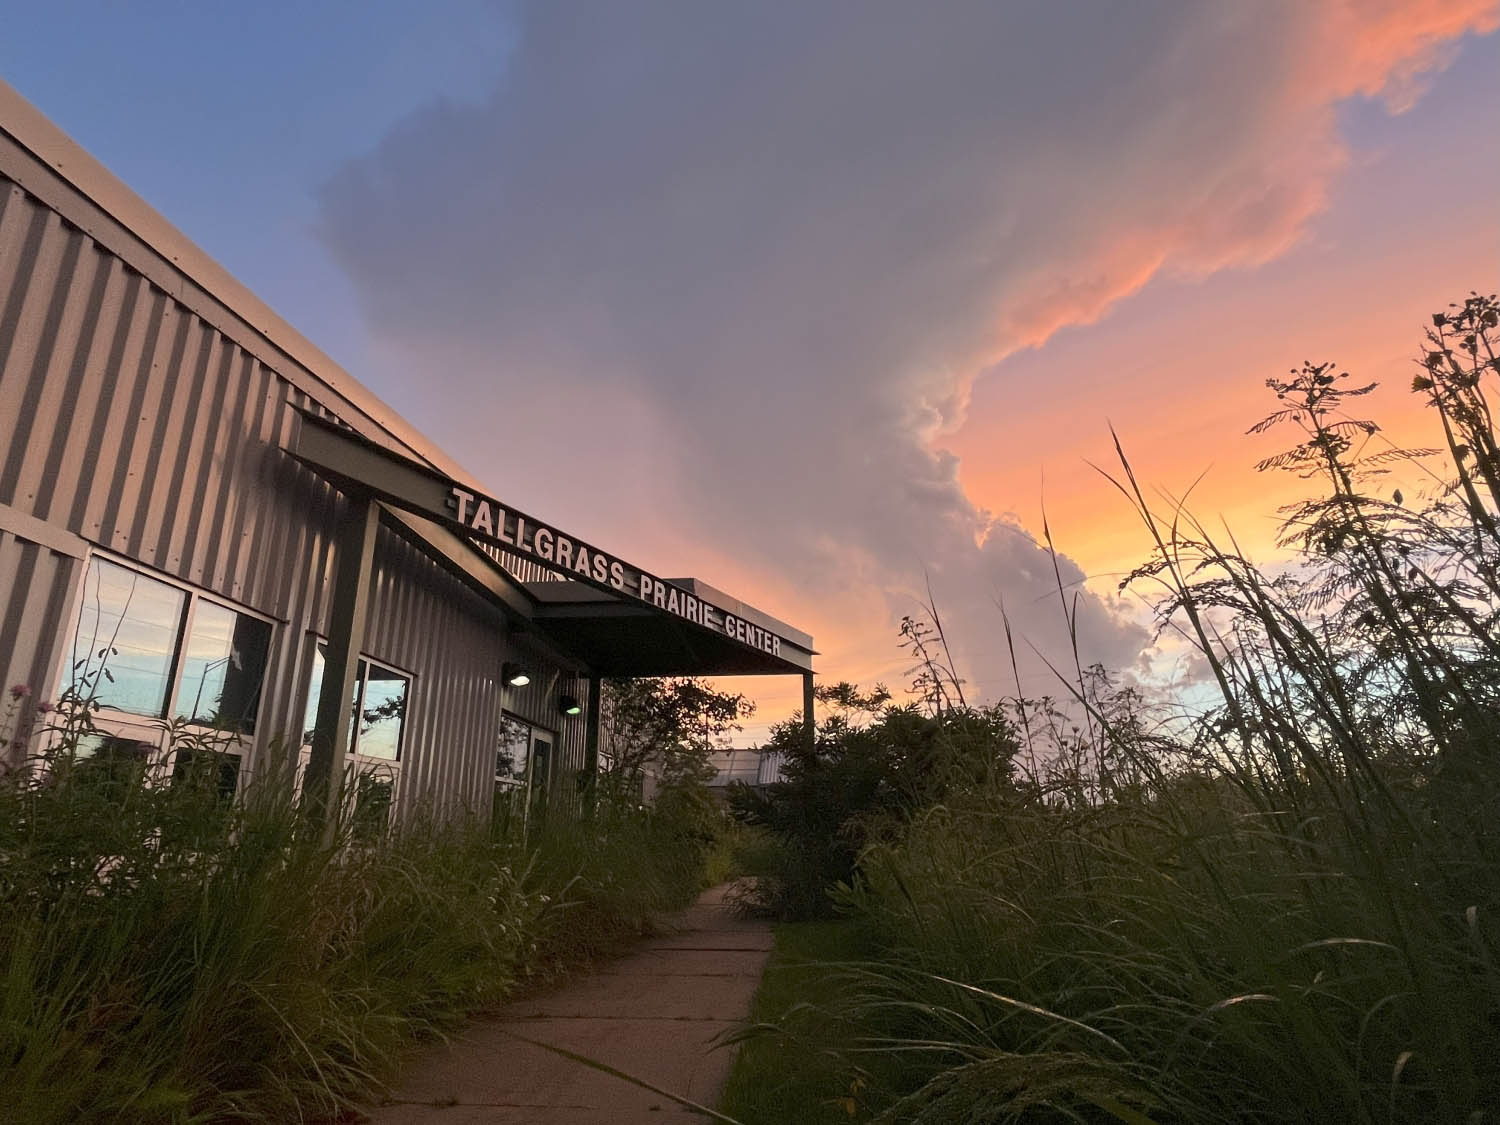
156	728
360	764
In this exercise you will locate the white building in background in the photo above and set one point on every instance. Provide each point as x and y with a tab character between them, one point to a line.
754	766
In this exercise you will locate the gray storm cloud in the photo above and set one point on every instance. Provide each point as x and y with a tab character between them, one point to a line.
724	272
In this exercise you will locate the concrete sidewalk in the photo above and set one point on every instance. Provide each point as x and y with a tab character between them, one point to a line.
654	1014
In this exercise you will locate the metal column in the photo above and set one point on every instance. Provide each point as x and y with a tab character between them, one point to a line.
323	781
591	730
809	727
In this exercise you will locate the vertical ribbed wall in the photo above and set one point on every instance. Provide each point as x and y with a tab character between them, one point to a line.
131	422
36	584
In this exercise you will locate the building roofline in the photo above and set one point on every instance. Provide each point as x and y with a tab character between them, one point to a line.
45	162
69	163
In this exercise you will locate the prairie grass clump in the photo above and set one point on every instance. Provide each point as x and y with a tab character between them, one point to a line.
1284	906
172	955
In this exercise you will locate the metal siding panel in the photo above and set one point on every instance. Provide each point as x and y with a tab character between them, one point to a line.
146	430
28	308
42	387
157	514
128	384
89	496
37	582
260	454
137	469
193	422
58	484
223	475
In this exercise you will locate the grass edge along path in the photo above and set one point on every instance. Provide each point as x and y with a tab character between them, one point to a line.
775	1079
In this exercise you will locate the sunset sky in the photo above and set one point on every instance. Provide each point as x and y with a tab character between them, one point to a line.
810	299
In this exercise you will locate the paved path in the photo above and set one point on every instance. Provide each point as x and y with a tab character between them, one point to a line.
653	1014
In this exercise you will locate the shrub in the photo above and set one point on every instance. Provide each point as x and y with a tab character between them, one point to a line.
170	955
1284	907
854	782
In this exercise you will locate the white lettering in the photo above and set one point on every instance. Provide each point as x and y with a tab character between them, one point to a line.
729	623
672	606
482	518
690	608
659	594
775	646
646	588
462	499
617	576
543	544
601	568
500	527
521	534
564	552
581	560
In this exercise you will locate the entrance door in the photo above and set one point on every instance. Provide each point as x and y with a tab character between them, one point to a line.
523	769
541	760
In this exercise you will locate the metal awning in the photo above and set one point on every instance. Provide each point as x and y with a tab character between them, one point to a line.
616	638
603	624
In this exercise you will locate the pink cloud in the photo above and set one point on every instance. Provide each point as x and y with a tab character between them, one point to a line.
792	237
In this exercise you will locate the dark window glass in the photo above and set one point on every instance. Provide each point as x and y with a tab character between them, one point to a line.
112	764
128	626
208	770
373	794
223	666
541	752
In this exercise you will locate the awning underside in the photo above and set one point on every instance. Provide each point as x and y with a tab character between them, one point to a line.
625	640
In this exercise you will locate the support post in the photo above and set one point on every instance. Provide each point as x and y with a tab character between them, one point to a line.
323	781
809	727
591	731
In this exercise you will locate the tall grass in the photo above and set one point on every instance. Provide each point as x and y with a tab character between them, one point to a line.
1283	907
169	955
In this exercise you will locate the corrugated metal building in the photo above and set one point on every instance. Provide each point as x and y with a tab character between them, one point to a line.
185	480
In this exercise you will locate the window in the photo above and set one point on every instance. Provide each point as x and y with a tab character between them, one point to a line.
521	770
522	754
206	769
142	642
379	707
512	753
223	665
374	793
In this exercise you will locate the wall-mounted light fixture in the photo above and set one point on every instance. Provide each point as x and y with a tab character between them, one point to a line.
514	675
568	705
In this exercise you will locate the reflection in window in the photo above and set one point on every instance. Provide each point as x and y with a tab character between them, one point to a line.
223	665
128	627
379	704
381	712
315	693
512	752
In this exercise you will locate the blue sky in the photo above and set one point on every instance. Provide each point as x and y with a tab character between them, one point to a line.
227	118
809	299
